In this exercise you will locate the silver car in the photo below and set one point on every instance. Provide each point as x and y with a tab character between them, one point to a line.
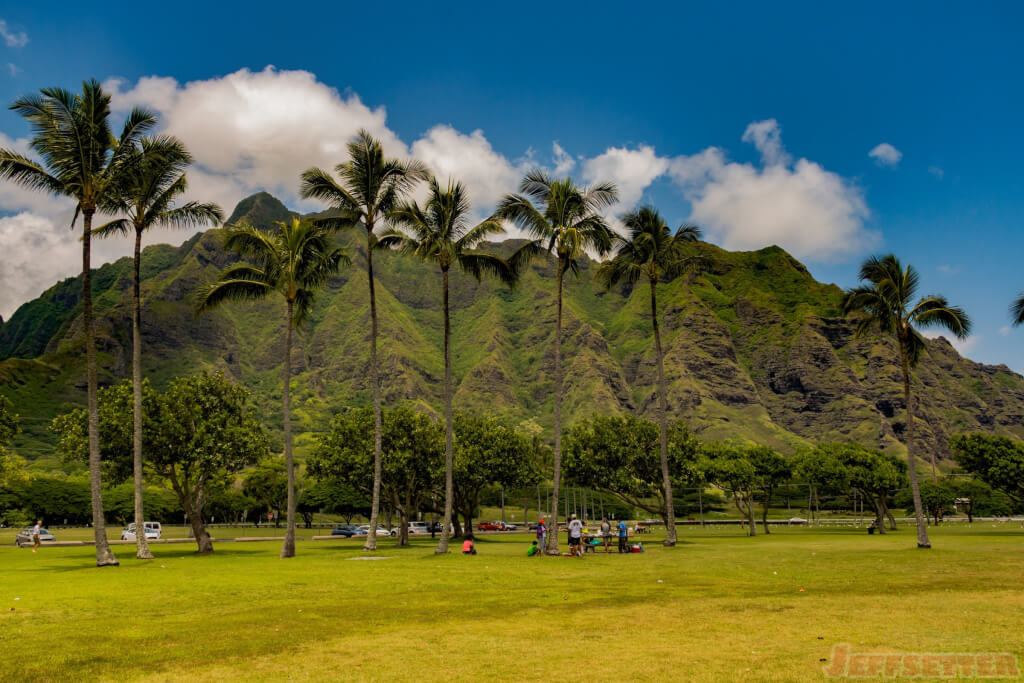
24	537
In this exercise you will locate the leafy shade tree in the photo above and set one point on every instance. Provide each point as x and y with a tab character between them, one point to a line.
80	159
488	453
621	456
564	221
370	186
730	467
652	252
975	497
441	232
336	497
995	460
10	464
412	447
201	430
151	182
771	470
936	496
841	467
886	302
267	485
294	261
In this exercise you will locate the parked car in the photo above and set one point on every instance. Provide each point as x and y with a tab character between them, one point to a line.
153	531
24	537
364	529
508	526
346	530
419	528
489	526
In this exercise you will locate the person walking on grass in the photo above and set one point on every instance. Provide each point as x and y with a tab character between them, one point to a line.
35	534
623	533
575	536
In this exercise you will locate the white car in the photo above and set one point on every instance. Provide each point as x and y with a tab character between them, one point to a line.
153	531
364	529
419	528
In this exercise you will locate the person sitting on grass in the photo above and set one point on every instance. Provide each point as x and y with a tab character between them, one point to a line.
534	549
467	546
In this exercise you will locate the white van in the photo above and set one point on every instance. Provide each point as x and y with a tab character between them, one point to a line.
153	532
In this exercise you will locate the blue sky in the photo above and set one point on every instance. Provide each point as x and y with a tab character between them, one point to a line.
659	99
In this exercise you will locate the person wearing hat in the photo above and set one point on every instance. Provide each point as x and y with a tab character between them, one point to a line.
542	534
575	536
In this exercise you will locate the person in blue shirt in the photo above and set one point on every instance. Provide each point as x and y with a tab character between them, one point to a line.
622	536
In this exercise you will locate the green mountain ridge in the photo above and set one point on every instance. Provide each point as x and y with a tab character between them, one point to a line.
754	349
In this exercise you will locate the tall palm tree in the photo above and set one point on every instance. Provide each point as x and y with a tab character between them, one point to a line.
79	158
370	186
651	251
565	221
1017	310
153	178
441	232
294	261
886	303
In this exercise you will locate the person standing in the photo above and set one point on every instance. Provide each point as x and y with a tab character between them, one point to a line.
35	534
542	534
622	535
606	535
575	536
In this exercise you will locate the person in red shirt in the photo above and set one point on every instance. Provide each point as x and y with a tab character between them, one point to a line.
467	546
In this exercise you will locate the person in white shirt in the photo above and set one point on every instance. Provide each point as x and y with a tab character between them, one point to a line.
35	534
575	536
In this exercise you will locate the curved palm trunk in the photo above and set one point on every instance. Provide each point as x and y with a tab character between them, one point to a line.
371	535
557	479
288	550
104	557
449	459
922	525
141	546
670	511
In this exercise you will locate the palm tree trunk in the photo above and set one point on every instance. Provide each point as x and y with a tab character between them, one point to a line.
288	550
141	546
670	510
922	525
764	510
371	535
449	459
104	557
557	478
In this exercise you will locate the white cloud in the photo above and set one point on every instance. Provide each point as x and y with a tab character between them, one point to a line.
885	155
937	171
470	158
767	138
632	170
811	212
563	161
1005	331
12	38
950	269
13	69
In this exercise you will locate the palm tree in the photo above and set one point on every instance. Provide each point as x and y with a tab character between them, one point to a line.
1017	310
886	303
440	232
80	159
653	252
153	178
370	187
294	261
564	221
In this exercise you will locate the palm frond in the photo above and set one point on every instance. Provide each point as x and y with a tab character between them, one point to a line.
1017	309
935	311
118	226
479	264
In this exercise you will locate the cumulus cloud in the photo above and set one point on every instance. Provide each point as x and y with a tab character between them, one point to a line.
632	170
12	38
564	163
885	154
811	212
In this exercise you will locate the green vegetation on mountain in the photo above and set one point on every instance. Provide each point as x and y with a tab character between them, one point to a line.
754	348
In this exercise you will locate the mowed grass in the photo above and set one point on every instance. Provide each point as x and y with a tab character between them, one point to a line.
719	607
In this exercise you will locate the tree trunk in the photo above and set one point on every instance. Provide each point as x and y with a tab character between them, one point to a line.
104	556
764	510
456	526
666	479
203	540
449	457
141	546
879	515
288	550
922	526
371	535
552	548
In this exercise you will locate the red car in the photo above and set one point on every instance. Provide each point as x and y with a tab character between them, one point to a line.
489	526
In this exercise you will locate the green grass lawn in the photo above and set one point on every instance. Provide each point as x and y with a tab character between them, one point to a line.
720	606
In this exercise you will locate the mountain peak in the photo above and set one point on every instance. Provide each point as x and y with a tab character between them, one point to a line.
261	210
